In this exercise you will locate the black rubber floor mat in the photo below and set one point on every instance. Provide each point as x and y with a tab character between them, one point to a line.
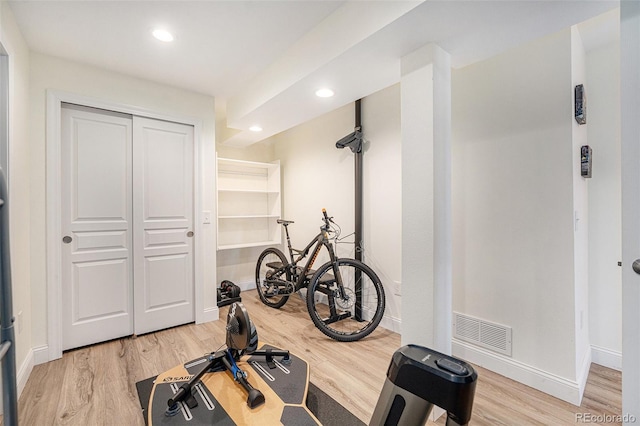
326	409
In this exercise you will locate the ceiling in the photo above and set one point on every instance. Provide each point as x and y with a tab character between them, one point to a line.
263	60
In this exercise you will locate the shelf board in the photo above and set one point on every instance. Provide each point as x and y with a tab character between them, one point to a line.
243	163
254	216
247	245
249	191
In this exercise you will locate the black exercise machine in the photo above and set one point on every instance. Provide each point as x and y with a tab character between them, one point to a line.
419	378
242	338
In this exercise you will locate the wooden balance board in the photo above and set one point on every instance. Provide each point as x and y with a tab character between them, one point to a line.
221	401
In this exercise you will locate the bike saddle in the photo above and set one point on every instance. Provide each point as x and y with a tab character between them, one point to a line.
284	222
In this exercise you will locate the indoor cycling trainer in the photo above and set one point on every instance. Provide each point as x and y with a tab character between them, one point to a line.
237	385
243	386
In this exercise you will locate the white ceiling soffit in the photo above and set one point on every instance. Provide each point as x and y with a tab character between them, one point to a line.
601	30
218	46
265	59
357	63
340	32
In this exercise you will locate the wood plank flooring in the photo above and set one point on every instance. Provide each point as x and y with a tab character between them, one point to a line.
95	385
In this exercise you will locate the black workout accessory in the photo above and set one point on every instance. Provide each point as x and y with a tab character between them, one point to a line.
228	293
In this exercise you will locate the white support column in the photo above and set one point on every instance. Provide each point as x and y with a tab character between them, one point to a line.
426	198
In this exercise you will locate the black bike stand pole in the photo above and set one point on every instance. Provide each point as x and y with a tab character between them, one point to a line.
358	218
354	142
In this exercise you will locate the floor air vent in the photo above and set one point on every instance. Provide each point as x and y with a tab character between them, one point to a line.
482	333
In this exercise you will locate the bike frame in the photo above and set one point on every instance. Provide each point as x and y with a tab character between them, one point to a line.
320	240
334	290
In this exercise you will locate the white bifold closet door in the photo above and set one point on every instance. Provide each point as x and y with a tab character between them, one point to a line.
127	217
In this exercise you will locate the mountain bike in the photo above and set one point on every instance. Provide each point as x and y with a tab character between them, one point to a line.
345	297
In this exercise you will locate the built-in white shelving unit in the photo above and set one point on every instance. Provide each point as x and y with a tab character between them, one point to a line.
248	203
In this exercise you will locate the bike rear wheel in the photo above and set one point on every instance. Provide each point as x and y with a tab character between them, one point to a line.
351	314
272	278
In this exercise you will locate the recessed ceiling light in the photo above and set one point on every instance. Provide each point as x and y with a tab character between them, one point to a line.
324	93
162	35
255	128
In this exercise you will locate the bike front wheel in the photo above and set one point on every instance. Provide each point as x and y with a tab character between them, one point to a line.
272	279
348	311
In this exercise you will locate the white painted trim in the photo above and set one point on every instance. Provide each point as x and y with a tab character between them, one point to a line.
583	374
209	314
198	258
606	357
54	227
246	285
22	376
24	372
40	354
391	323
54	186
554	385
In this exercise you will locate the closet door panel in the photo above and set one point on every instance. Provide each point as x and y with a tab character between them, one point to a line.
97	280
163	223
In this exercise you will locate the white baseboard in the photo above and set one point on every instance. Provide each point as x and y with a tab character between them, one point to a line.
391	323
22	375
606	357
246	285
24	372
40	354
209	314
559	387
583	373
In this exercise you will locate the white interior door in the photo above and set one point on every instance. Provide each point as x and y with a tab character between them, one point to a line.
630	132
96	216
163	224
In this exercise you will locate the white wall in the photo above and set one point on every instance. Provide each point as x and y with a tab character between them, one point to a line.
383	195
513	200
19	188
316	174
581	220
54	73
605	276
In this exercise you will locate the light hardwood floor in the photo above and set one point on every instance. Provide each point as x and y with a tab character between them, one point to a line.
96	385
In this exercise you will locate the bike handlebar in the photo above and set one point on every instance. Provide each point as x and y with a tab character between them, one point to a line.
327	219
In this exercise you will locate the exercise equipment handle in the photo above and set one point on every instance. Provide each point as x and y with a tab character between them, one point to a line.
244	383
185	390
254	397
